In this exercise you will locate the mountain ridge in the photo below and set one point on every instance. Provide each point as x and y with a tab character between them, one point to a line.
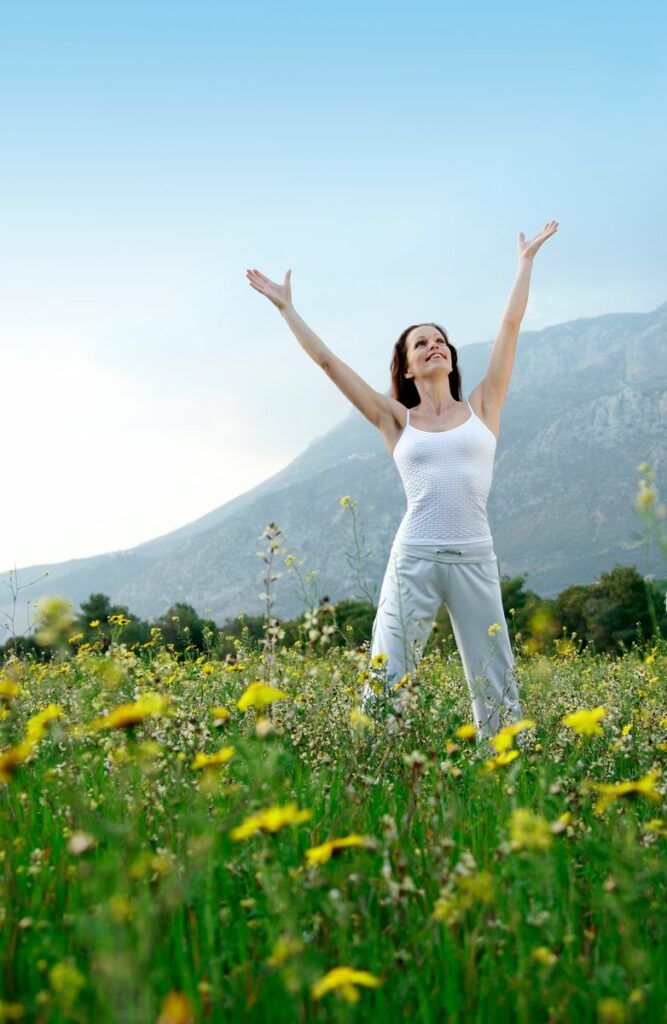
587	403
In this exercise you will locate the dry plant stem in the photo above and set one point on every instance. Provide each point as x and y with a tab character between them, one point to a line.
14	587
271	626
652	513
308	599
355	562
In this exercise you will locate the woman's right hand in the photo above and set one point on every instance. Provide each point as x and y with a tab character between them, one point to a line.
279	294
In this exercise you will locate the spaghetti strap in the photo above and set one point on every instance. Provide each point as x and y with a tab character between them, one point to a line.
408	420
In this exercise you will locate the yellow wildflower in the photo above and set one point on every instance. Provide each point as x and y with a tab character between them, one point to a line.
470	890
565	646
346	979
321	854
611	790
645	496
466	732
120	908
561	822
220	757
148	862
544	956
611	1011
445	910
258	695
379	659
359	720
119	619
504	739
494	628
125	715
8	689
66	981
283	949
656	825
585	722
270	820
13	757
35	726
220	715
345	501
529	831
54	619
176	1008
501	759
477	888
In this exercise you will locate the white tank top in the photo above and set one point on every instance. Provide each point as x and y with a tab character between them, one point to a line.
447	477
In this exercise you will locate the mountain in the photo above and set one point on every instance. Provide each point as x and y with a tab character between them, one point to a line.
587	403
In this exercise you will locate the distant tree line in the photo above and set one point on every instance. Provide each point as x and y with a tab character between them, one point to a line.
609	615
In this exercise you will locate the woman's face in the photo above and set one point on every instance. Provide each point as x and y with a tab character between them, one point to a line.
427	352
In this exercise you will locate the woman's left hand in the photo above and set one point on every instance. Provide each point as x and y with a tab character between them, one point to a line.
527	249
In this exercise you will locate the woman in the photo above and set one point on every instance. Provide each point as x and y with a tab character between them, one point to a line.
444	449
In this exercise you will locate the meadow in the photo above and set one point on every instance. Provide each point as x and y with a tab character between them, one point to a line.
189	839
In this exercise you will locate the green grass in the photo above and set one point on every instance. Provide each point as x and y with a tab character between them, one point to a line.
163	900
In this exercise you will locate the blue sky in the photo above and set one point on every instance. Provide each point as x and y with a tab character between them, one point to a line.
388	153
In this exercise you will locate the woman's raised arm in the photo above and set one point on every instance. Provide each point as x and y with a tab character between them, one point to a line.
377	408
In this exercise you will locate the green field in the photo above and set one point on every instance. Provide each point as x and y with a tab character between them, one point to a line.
476	884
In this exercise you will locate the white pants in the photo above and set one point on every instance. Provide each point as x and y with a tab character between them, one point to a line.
419	577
